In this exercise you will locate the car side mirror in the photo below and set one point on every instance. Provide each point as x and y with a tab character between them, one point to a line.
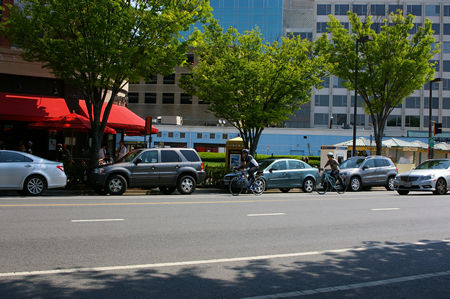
271	170
137	161
365	167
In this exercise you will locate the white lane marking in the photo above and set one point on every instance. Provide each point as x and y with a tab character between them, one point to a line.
386	209
352	286
267	214
214	261
96	220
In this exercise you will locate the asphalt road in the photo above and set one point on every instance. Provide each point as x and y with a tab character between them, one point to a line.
356	245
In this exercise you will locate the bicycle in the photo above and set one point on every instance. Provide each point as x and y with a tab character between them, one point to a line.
241	182
329	183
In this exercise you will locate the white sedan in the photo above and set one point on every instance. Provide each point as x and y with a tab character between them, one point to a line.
431	175
28	173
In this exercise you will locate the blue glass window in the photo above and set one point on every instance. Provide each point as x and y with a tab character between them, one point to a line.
321	27
377	10
446	103
321	118
436	28
446	84
339	101
360	9
413	102
322	100
338	82
446	66
326	82
341	9
432	10
434	102
393	8
323	9
415	10
394	121
447	29
447	10
445	47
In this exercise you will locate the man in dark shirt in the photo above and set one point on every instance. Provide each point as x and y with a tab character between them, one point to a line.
334	165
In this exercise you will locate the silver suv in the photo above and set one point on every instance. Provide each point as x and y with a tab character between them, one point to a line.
365	172
166	168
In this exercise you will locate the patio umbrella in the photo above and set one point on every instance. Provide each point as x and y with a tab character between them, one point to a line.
72	121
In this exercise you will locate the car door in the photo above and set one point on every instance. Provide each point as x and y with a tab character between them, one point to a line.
145	173
277	177
14	168
168	168
369	172
383	167
296	173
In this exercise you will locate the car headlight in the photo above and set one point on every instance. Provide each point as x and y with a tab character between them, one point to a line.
426	177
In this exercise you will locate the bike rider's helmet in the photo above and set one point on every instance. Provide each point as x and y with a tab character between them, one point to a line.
245	151
330	154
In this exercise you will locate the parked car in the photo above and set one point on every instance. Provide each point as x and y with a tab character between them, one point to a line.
285	174
365	172
431	175
166	168
30	174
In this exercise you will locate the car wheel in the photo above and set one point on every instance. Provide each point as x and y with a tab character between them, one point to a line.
308	185
116	185
441	187
167	190
285	190
186	185
100	190
390	183
403	192
355	184
34	185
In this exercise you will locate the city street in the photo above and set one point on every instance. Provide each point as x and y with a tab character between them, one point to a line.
373	244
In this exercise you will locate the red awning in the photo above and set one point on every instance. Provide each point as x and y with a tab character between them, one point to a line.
123	118
30	108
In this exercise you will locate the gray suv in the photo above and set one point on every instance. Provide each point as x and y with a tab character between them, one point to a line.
166	168
365	172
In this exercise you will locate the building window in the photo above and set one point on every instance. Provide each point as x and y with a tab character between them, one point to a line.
190	58
341	9
445	47
360	9
338	82
212	136
425	120
432	10
133	97
152	79
321	119
169	79
185	98
360	101
168	98
360	119
394	121
321	27
446	121
325	83
199	135
159	134
376	27
446	84
446	66
323	9
394	8
415	10
434	102
413	102
322	100
170	135
340	119
447	29
436	27
225	136
412	121
150	98
182	135
377	10
445	103
447	10
339	101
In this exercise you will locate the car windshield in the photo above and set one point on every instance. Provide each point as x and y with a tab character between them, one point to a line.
434	164
264	163
130	156
351	163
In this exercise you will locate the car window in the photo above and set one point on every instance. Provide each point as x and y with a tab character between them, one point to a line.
280	165
149	157
168	156
190	155
381	162
352	163
434	164
293	164
130	156
264	163
7	157
370	163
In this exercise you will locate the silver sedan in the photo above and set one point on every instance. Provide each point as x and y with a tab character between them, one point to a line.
431	175
28	173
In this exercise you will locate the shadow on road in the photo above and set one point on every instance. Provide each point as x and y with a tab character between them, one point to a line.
262	277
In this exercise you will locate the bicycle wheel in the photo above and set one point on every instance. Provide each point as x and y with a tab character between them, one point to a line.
323	188
340	189
258	186
236	186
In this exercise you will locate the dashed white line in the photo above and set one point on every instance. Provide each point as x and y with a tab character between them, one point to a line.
386	209
96	220
267	214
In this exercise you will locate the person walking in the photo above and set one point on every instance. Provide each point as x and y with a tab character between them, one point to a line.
122	151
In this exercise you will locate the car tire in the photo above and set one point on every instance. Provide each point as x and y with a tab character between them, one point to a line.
308	185
390	183
116	185
285	190
186	184
403	192
441	187
167	190
355	184
34	185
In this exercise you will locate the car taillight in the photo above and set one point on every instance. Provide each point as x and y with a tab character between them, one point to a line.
60	167
202	167
396	169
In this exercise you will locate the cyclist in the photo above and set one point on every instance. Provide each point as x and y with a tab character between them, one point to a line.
249	163
334	164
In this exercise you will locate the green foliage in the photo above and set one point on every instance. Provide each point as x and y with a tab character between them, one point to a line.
390	67
212	157
250	83
214	175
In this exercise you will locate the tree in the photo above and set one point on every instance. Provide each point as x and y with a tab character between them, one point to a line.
99	45
249	83
390	67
